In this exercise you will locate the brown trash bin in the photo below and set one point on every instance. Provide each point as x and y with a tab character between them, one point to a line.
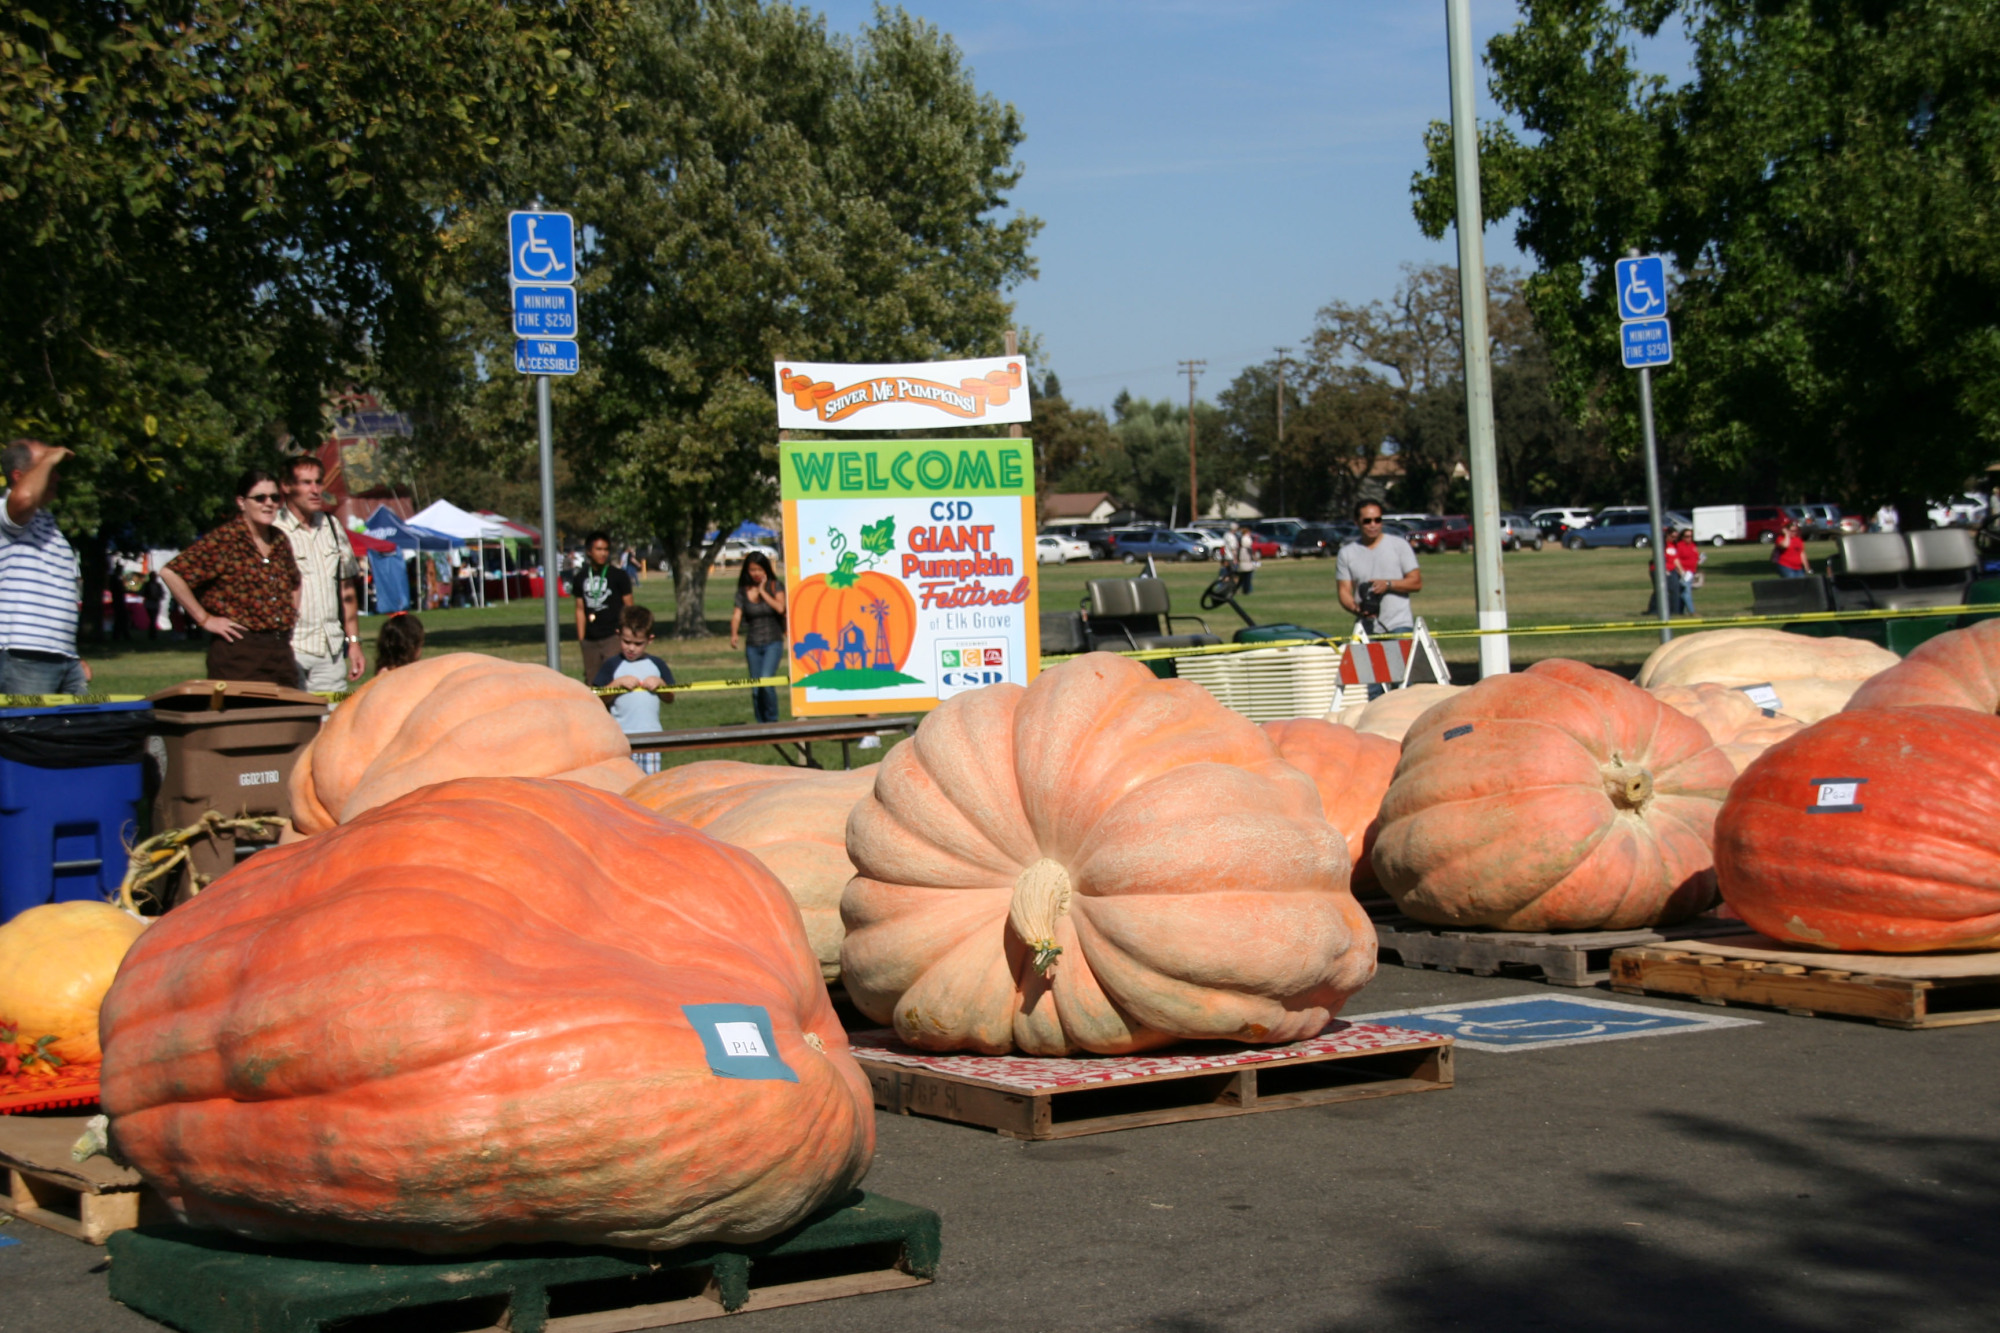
229	746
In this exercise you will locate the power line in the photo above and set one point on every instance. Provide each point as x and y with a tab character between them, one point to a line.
1193	369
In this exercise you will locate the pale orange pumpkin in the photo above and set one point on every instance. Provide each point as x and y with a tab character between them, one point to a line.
1812	677
1390	715
56	962
1558	798
1739	728
1351	769
1102	861
794	820
461	715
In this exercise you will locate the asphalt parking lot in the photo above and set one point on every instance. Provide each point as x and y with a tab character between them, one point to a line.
1794	1174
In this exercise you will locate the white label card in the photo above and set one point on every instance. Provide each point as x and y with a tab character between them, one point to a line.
1837	793
265	778
741	1038
1763	696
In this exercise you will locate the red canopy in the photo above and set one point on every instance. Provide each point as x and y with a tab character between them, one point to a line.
366	545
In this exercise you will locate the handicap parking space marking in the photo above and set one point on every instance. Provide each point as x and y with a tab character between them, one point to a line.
1528	1022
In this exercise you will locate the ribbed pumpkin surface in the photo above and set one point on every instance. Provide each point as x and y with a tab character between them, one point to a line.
1351	769
1103	861
1739	728
1876	830
1558	798
457	1022
794	820
1813	678
461	715
1958	669
1391	715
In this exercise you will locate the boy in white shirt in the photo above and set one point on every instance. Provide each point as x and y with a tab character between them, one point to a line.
635	674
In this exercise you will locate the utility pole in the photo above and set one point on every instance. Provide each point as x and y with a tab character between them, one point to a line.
1488	585
1280	459
1192	368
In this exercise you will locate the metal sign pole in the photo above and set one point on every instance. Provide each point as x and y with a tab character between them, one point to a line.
1488	582
1653	505
550	571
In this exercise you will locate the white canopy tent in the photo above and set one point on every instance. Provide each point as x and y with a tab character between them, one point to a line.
446	517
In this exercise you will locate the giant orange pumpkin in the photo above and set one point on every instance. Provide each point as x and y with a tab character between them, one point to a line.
794	820
1102	861
1812	677
1391	715
1739	728
1959	669
1351	769
826	605
486	1014
1875	830
1558	798
461	715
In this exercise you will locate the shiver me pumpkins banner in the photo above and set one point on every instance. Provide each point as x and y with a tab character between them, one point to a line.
911	569
925	396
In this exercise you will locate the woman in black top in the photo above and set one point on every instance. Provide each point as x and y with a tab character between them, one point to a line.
759	620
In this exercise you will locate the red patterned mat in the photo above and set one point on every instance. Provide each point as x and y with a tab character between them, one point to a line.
1037	1073
72	1085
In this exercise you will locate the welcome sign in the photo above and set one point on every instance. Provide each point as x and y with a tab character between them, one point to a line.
924	396
911	570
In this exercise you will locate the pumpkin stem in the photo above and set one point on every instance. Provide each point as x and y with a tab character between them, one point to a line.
1629	786
1041	897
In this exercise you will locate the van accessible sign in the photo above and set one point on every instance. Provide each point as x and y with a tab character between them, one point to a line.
911	570
923	396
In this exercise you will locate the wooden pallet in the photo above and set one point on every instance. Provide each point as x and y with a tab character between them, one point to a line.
1032	1097
1898	991
87	1200
204	1282
1561	958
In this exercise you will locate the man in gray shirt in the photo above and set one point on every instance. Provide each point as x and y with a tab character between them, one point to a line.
1380	564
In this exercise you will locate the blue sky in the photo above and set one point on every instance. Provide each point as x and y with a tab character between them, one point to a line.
1210	172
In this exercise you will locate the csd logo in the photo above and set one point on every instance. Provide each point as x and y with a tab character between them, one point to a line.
965	680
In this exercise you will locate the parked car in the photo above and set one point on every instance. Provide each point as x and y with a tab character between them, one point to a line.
734	551
1556	524
1208	539
1516	531
1451	533
1763	523
1323	539
1135	544
1629	525
1282	530
1094	535
1051	549
1960	511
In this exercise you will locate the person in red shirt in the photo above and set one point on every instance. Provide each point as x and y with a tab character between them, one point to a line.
1789	553
1689	559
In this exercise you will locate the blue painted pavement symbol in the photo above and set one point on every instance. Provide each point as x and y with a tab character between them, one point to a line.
543	246
545	312
1524	1022
1646	343
1642	287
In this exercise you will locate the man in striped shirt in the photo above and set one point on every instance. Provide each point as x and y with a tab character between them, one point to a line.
40	584
326	642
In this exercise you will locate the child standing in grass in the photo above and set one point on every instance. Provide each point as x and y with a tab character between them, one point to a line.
635	674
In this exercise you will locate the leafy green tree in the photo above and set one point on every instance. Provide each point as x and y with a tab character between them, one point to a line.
1825	187
762	191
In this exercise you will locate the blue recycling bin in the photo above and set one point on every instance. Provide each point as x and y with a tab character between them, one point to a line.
70	783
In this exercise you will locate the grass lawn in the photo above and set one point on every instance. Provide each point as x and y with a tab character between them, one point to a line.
1551	586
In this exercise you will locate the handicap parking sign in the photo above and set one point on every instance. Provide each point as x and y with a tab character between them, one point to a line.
1525	1022
543	246
1645	342
1642	287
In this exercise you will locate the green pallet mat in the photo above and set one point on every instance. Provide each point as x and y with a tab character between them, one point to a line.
205	1282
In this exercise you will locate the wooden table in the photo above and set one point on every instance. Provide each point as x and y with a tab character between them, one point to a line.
800	732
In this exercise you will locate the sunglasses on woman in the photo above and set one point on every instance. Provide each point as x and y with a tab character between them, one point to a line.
262	497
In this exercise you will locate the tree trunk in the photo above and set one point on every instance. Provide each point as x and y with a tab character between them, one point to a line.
691	566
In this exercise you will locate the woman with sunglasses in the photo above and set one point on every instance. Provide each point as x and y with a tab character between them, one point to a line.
241	584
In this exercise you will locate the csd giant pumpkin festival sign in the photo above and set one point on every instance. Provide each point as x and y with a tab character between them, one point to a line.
911	569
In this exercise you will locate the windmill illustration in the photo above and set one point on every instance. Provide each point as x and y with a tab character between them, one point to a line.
880	610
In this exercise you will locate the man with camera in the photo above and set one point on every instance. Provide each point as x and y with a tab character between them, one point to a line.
1377	575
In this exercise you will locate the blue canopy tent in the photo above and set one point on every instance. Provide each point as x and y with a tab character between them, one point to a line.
386	525
746	531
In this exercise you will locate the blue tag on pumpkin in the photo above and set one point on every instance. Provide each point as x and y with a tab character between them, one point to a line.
738	1040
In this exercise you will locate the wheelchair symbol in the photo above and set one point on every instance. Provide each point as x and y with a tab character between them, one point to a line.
1639	295
535	248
